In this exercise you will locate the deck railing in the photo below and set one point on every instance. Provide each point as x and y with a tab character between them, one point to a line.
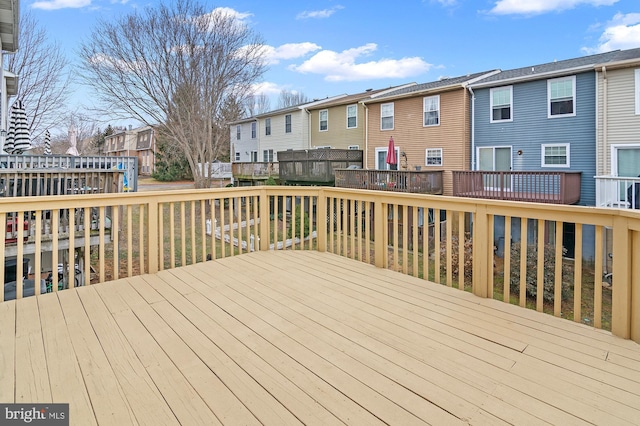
541	187
447	240
414	182
255	171
618	192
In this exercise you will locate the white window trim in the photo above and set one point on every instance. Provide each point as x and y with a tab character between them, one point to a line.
564	166
637	92
575	102
237	156
238	132
491	120
320	120
423	111
290	123
356	116
267	128
254	130
614	155
426	163
385	149
393	116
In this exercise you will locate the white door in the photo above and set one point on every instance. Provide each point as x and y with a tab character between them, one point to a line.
496	159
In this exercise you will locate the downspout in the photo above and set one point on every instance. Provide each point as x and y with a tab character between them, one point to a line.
473	125
605	102
308	128
366	135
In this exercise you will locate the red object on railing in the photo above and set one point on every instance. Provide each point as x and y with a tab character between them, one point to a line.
12	230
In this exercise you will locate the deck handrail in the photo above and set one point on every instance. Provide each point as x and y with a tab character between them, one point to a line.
411	181
555	187
119	235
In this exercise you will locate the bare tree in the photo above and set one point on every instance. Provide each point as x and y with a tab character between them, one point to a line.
43	79
289	98
257	104
179	65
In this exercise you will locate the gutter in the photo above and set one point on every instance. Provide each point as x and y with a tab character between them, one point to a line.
605	102
366	135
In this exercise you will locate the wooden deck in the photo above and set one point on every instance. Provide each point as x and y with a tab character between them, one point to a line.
305	337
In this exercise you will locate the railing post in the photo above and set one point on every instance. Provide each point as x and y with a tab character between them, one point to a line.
635	287
380	227
153	237
264	220
621	292
321	221
481	251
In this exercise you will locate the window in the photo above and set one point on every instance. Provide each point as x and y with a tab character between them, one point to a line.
556	155
254	156
434	157
561	93
352	116
324	120
431	105
267	126
381	158
501	101
267	156
237	156
638	91
287	123
254	127
238	130
386	116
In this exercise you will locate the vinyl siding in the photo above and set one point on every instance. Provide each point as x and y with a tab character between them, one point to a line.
531	128
623	125
281	141
410	136
338	136
246	144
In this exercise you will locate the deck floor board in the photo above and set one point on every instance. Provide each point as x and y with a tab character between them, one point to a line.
302	337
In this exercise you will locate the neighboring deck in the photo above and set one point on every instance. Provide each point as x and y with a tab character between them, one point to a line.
307	337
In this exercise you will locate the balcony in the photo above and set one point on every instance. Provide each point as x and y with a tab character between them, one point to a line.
618	192
310	311
415	182
539	187
316	166
254	171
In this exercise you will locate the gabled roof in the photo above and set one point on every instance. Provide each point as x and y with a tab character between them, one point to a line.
625	58
357	97
554	69
432	86
299	107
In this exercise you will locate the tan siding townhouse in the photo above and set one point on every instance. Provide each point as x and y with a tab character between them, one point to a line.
430	125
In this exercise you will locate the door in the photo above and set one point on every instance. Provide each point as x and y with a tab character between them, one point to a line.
626	165
497	159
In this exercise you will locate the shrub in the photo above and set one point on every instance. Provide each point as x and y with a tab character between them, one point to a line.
305	228
532	271
455	256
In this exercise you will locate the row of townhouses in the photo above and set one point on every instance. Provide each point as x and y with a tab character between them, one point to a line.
563	132
134	142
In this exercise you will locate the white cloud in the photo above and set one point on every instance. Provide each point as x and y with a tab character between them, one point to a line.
318	14
622	32
534	7
60	4
267	88
289	51
227	11
343	67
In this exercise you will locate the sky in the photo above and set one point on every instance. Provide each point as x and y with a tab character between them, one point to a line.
325	48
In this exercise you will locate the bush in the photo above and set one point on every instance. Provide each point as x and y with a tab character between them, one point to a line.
306	227
455	257
532	271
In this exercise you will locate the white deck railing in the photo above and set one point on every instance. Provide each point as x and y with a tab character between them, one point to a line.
617	192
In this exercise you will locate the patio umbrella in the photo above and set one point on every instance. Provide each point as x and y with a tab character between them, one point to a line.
73	149
392	157
47	142
21	136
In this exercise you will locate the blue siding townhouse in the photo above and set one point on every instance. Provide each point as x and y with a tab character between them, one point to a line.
539	118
